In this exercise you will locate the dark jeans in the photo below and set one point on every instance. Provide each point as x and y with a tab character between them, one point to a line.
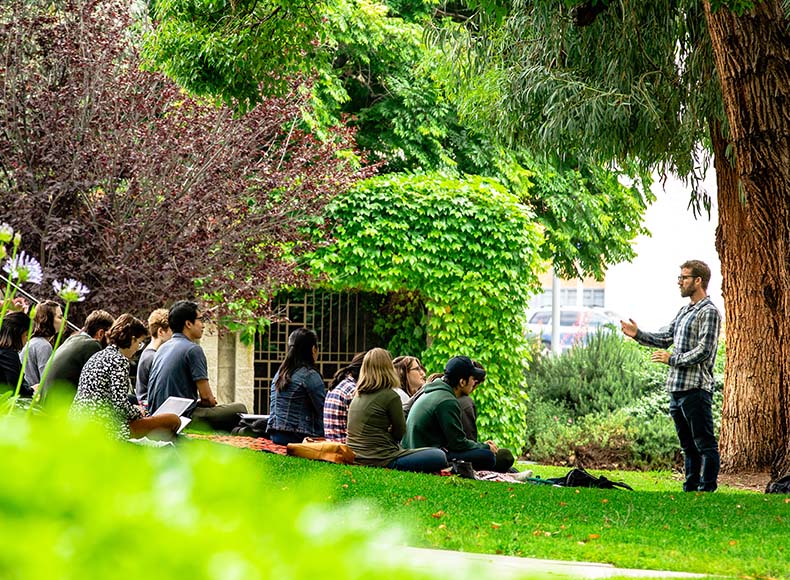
481	459
221	417
691	412
286	437
426	460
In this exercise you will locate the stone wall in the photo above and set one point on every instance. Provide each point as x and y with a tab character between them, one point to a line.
231	370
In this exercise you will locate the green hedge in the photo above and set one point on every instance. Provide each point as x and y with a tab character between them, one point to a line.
468	250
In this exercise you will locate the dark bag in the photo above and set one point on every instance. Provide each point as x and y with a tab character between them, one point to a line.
779	486
252	427
578	477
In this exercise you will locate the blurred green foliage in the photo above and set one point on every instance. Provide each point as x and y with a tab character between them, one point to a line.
77	504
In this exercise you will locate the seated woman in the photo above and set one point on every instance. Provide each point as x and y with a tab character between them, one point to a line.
104	386
339	397
297	396
376	422
411	374
46	325
13	336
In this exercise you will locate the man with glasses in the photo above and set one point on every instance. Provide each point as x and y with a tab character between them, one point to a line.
695	334
180	369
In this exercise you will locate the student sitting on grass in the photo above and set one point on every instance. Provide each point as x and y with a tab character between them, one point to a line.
412	376
13	336
46	325
297	394
376	423
504	457
435	419
104	386
160	331
342	391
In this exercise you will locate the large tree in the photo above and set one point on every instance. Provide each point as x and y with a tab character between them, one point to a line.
657	82
114	176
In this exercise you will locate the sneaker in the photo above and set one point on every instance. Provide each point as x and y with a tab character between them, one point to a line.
463	469
523	475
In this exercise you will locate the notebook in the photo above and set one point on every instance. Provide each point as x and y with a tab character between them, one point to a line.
176	405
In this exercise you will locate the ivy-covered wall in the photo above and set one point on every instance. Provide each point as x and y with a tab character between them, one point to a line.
469	249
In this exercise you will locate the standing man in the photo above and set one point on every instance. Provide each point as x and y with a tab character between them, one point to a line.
180	369
695	334
435	418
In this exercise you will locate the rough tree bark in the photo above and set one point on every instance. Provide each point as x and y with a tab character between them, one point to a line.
752	54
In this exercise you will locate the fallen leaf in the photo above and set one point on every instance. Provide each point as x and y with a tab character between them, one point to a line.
438	514
419	498
604	501
496	526
593	536
732	542
345	485
442	527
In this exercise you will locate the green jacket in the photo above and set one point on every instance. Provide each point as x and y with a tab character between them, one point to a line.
435	421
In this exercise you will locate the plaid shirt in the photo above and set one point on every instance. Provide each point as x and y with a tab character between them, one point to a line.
336	410
695	334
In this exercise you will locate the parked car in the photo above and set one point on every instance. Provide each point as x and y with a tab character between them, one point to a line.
576	324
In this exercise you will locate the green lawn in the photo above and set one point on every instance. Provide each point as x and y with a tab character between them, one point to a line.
731	532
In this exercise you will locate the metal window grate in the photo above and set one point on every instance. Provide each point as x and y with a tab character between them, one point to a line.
343	328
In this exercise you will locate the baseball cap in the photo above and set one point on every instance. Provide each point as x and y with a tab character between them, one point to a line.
461	367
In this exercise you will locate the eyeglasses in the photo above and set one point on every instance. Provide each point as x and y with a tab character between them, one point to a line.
418	369
681	278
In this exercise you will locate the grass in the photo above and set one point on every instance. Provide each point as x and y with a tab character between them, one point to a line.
730	533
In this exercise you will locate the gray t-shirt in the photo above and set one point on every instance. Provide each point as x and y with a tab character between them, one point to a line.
143	372
178	365
38	352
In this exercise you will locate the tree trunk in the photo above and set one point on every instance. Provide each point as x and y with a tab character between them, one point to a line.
752	54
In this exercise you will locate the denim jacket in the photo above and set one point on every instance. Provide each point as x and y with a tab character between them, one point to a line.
299	406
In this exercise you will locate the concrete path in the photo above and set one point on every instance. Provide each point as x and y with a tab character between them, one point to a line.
464	564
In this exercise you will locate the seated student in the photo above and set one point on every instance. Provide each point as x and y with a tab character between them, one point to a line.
46	325
376	423
419	393
411	374
104	385
67	362
13	336
180	369
342	390
504	457
160	331
298	392
435	419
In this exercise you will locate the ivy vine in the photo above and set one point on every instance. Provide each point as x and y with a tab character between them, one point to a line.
470	250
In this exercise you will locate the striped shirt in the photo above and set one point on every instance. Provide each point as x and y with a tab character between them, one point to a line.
336	410
695	334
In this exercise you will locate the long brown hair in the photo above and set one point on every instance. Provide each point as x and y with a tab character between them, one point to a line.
402	366
377	372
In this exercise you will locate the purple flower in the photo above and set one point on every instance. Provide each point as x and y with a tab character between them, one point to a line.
23	268
70	290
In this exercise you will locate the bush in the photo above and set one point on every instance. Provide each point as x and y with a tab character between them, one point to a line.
605	405
75	504
602	375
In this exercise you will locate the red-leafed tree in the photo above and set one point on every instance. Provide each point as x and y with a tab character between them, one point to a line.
116	177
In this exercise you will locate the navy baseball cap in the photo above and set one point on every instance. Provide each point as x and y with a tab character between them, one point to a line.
461	367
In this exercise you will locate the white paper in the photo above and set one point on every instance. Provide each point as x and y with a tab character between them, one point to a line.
175	405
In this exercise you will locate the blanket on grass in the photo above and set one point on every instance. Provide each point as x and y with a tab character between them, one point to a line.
254	443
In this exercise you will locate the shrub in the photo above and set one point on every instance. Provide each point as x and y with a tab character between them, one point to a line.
582	411
75	504
602	375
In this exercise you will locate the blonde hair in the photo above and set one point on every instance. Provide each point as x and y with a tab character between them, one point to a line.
377	372
157	320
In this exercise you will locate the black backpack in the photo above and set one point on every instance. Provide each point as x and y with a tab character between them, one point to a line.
578	477
779	486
